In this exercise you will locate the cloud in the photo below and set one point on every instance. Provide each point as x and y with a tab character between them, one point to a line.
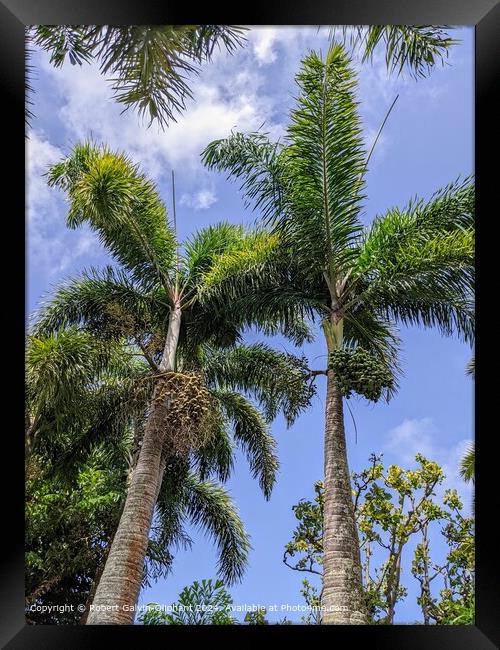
262	45
227	96
200	200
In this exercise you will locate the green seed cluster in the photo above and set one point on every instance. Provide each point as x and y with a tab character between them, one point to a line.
358	371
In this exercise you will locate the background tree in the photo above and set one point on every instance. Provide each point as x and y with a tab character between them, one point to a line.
394	508
413	266
202	603
157	302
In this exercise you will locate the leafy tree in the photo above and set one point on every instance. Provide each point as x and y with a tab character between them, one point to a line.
256	618
158	303
149	64
202	603
413	266
392	507
456	602
68	528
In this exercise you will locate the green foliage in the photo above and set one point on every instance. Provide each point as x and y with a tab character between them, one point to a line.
68	528
202	603
307	541
358	371
392	507
313	600
149	65
467	465
416	48
256	618
456	602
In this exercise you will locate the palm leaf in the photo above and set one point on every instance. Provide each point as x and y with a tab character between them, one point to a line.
106	190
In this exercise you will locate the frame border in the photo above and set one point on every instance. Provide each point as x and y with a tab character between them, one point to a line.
485	16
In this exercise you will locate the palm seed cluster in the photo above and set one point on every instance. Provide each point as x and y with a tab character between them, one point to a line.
358	371
189	412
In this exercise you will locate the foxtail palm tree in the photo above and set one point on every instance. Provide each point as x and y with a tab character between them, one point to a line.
157	301
88	397
413	266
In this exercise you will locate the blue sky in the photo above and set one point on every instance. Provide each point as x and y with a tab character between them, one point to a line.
427	143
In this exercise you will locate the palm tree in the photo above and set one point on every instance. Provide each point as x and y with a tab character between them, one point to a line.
468	462
413	266
86	398
467	465
149	64
158	302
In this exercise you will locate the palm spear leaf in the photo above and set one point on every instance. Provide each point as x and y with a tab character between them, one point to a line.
326	158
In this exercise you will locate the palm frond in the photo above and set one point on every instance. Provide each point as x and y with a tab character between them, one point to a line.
471	367
251	433
417	264
467	464
256	161
415	48
149	66
105	301
217	457
278	381
108	191
209	506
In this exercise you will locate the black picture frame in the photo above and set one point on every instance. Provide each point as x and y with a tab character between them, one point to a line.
485	16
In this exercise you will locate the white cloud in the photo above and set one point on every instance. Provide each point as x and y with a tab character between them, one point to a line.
262	45
227	96
200	200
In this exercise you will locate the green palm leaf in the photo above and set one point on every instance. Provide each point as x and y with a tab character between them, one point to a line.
107	191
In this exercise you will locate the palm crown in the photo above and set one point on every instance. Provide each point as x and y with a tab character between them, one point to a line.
156	304
413	266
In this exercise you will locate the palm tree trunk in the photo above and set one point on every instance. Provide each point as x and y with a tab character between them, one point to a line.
118	590
342	597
